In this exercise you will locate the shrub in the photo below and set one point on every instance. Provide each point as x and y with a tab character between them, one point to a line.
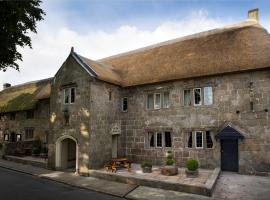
169	157
146	164
192	165
169	162
36	151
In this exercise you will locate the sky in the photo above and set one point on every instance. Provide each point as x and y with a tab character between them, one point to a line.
101	28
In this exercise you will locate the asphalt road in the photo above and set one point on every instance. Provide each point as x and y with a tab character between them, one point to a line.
19	186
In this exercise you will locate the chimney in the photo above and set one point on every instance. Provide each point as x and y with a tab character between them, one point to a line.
6	85
253	15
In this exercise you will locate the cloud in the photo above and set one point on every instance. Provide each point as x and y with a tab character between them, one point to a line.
52	43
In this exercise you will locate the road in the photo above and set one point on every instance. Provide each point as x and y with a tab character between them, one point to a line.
19	186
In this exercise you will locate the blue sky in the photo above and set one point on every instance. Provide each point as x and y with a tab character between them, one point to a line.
100	28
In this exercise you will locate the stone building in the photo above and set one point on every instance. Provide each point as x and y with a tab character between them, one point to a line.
204	96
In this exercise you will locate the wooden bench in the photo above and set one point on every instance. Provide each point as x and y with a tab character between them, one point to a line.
117	163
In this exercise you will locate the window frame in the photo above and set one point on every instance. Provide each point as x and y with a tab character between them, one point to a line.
147	95
124	110
151	133
163	102
155	94
196	139
204	95
159	147
210	135
69	95
188	136
25	133
194	96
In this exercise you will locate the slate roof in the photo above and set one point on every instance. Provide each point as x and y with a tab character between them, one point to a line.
229	133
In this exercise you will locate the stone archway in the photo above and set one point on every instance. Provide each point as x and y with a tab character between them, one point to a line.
66	153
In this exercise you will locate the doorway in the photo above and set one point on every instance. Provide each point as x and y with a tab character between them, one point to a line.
114	145
67	154
229	155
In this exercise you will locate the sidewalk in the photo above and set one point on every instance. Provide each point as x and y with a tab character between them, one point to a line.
127	191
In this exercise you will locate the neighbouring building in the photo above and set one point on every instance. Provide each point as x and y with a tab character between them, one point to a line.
205	96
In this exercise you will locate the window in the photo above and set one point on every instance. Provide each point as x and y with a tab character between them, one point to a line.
209	141
18	137
124	104
189	141
197	97
168	139
151	139
166	100
199	139
110	95
150	101
29	133
187	98
29	114
6	137
69	95
208	96
12	116
157	101
159	139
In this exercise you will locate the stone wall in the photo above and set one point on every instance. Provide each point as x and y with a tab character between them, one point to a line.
231	93
40	122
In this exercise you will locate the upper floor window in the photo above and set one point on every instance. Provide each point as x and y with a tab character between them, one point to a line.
197	96
158	100
208	96
29	114
69	95
124	104
12	116
187	97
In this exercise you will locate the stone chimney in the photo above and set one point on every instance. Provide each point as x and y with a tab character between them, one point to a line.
6	85
253	15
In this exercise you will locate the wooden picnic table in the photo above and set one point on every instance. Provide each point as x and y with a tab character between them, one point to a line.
117	163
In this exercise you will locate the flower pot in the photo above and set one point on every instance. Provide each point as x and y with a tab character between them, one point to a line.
169	170
191	173
147	169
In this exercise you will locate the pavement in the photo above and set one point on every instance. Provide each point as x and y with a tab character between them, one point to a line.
229	186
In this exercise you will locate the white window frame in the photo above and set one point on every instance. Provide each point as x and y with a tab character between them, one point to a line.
200	96
204	95
157	108
157	140
69	98
190	92
123	104
196	139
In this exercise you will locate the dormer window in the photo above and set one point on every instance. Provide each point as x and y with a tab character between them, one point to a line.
69	95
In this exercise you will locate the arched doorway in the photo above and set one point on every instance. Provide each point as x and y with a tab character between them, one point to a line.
66	153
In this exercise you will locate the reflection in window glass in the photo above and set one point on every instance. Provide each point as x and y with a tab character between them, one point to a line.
199	139
157	101
150	101
166	101
159	140
151	139
208	96
72	95
187	98
197	97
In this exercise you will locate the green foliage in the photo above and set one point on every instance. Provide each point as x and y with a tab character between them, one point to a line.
146	164
36	151
169	156
17	18
169	162
192	165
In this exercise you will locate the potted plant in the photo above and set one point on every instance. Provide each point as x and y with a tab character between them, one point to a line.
192	168
146	167
169	169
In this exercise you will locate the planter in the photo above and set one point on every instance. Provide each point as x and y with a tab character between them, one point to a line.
147	170
191	173
169	170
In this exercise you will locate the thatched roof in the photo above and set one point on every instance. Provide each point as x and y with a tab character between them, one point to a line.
24	96
244	46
